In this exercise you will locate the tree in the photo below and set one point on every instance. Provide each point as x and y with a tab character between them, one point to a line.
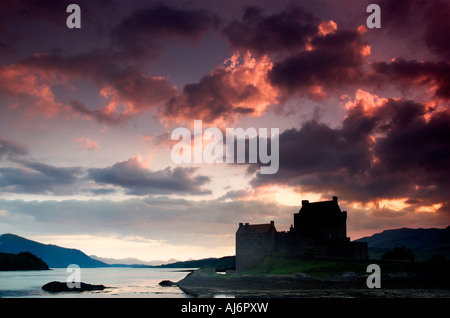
399	254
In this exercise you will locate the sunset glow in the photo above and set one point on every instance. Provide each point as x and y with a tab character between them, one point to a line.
86	117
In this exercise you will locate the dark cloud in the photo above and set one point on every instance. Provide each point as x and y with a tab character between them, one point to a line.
263	34
38	178
208	99
51	11
29	176
47	10
143	32
424	21
435	75
138	180
313	58
130	82
34	177
99	191
397	149
437	35
335	59
10	149
418	147
126	86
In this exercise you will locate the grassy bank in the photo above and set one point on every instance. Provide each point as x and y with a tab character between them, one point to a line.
314	268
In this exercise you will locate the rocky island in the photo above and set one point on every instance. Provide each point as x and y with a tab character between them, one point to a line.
21	261
62	287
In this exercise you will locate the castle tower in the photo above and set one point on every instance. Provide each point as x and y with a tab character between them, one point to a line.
254	243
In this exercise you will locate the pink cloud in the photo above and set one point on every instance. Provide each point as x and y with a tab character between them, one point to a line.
239	87
23	87
87	143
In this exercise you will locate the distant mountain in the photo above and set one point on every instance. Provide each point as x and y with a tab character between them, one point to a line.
53	255
130	261
424	242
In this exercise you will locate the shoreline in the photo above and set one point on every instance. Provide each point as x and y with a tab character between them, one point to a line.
205	283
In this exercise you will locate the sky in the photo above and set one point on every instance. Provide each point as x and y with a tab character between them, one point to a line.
86	117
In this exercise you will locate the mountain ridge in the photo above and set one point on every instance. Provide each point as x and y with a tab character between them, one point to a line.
424	242
53	255
131	261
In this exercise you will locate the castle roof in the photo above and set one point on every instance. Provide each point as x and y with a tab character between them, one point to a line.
321	207
256	228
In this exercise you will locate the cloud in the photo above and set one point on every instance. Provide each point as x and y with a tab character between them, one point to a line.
438	28
50	11
333	60
407	74
99	191
420	21
307	56
38	178
142	34
136	179
131	176
11	149
87	143
135	91
125	90
20	86
310	56
261	34
235	195
46	10
240	87
386	148
123	82
99	115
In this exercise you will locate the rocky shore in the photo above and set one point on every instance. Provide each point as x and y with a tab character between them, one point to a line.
206	283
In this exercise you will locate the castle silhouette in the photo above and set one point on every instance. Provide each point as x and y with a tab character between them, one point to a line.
319	230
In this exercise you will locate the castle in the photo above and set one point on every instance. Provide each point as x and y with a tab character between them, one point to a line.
319	230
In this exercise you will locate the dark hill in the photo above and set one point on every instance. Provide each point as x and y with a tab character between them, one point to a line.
423	242
53	255
223	263
20	262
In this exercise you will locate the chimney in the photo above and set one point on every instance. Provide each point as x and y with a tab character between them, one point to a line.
335	200
305	202
272	223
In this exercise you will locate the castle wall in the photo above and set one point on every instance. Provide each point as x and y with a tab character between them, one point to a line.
288	244
252	248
